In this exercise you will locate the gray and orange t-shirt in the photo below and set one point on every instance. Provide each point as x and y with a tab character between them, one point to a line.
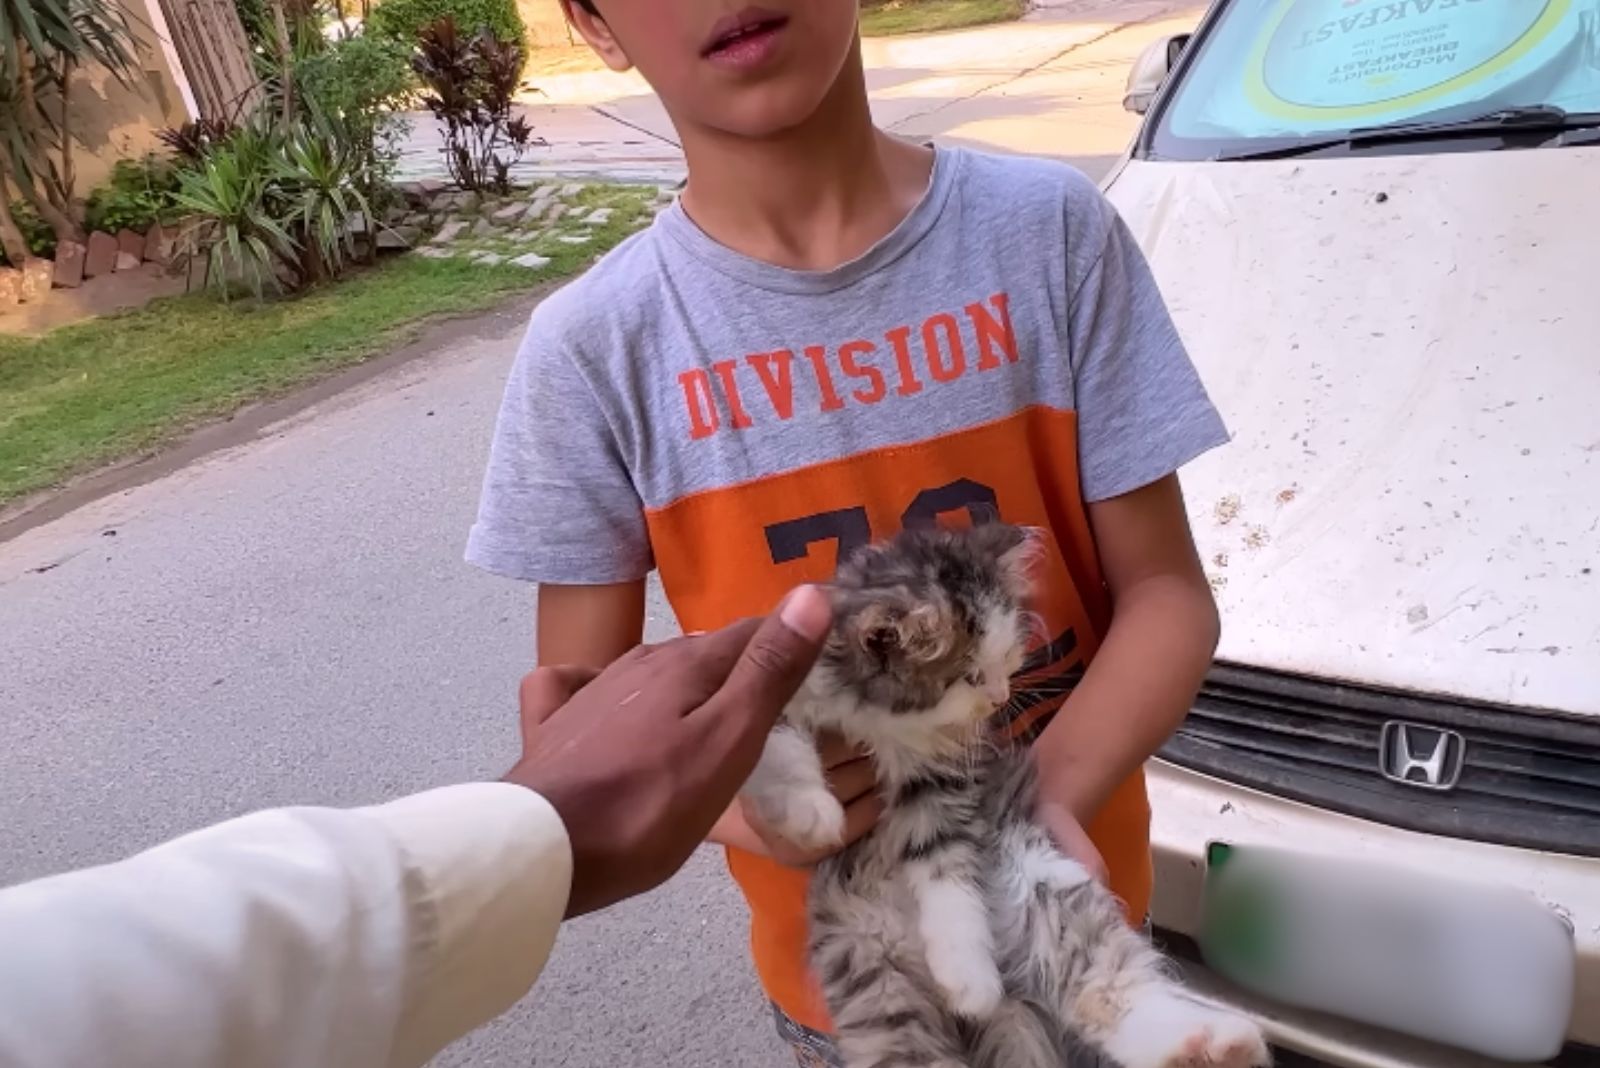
1004	352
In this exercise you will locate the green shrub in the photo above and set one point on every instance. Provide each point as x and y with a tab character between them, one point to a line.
139	194
35	231
257	22
363	84
404	19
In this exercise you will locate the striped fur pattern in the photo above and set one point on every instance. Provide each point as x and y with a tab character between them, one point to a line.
955	934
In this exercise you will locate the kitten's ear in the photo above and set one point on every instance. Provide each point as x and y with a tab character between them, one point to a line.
1017	550
894	627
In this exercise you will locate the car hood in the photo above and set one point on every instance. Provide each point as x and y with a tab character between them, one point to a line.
1407	350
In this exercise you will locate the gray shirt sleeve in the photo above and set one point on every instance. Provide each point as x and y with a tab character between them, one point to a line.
558	503
1142	411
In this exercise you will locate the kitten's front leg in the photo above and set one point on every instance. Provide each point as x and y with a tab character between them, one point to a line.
954	924
789	791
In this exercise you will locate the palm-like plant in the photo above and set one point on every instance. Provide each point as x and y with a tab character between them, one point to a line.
274	205
42	43
318	182
231	197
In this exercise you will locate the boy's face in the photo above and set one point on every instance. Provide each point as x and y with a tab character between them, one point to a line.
753	70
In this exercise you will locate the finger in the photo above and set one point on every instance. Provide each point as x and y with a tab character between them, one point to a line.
853	779
772	665
703	659
860	816
834	750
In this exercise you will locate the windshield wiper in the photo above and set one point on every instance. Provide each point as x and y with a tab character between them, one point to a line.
1537	118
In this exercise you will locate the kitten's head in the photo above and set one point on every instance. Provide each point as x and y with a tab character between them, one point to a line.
933	623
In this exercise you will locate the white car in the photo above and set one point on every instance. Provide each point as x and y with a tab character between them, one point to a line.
1377	223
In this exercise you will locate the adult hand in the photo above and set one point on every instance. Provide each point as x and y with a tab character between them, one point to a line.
853	780
640	759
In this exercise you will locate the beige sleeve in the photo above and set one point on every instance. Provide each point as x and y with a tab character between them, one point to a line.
368	937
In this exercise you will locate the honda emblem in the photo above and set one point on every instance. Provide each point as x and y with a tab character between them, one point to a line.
1425	757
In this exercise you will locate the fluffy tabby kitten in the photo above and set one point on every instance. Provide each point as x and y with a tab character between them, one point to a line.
955	934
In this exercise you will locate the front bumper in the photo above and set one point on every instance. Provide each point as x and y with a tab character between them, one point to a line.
1190	810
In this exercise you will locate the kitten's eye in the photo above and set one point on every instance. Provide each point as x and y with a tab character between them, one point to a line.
975	678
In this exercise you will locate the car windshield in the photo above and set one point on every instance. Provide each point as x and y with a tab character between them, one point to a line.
1277	74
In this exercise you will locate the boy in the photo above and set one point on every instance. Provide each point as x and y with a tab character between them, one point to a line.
832	335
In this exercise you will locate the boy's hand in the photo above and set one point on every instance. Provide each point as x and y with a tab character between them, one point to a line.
640	759
853	781
1069	835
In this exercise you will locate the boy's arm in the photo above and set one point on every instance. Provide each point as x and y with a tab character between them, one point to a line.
1141	683
1142	415
559	506
589	626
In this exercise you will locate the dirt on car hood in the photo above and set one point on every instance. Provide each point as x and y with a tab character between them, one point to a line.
1407	350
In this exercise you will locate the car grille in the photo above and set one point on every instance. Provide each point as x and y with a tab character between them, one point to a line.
1526	779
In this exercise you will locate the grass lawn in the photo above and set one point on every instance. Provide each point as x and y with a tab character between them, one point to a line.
886	18
101	391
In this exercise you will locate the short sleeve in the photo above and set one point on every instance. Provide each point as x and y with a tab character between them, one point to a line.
1142	410
558	503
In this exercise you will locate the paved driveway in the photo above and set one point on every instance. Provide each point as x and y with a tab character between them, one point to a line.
1050	85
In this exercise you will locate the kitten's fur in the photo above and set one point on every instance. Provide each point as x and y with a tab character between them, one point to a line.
955	934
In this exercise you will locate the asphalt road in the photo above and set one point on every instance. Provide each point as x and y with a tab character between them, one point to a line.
290	622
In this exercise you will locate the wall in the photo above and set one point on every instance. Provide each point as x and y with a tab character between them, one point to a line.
547	26
113	121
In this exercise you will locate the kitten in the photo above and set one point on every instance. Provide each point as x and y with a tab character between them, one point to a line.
955	934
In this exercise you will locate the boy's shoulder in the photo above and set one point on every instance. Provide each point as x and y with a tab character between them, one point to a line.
1033	178
1058	206
603	298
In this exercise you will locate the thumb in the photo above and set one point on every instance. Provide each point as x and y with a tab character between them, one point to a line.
773	665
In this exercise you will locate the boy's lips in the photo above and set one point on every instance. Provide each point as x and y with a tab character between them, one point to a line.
746	40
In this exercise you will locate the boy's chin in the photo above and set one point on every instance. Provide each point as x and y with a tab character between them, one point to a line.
758	113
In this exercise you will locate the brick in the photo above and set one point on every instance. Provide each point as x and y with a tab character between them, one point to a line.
10	287
132	243
127	261
36	276
102	257
69	264
160	245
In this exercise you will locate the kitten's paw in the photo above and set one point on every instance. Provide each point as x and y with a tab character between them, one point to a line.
975	995
811	819
1165	1029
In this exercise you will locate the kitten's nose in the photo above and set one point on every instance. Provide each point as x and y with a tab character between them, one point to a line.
997	693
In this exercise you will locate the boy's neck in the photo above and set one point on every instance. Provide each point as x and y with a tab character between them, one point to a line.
813	197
